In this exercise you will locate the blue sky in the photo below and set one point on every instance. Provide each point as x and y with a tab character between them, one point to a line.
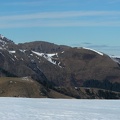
90	23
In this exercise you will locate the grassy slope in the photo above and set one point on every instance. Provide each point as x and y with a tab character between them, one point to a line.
25	87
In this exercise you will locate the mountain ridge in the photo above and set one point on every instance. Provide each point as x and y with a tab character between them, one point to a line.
58	66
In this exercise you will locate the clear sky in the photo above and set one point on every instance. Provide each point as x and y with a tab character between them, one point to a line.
91	23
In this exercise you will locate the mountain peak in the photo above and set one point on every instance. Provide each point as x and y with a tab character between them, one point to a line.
1	36
4	42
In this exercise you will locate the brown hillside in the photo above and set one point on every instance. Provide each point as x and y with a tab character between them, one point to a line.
26	87
79	65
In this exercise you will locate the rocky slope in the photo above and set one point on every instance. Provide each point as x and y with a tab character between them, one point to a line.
57	66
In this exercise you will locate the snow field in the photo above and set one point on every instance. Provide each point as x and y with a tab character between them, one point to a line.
58	109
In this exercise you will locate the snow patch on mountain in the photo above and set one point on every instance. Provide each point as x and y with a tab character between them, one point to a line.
15	57
22	50
48	56
27	78
59	65
93	51
12	52
52	54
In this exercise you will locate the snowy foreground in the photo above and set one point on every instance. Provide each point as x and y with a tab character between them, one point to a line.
58	109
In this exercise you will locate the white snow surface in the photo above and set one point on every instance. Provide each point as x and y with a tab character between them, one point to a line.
58	109
12	51
48	57
93	51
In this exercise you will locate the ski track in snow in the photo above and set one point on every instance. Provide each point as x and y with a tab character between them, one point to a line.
58	109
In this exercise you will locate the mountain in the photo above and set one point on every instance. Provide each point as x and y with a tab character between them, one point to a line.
4	42
64	69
